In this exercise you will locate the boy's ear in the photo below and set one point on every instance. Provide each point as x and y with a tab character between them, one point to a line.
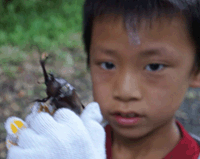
195	80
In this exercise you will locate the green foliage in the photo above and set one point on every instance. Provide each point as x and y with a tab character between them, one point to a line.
9	71
45	23
10	57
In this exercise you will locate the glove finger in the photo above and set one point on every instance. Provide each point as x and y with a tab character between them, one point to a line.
10	142
19	134
72	123
20	153
37	108
29	139
13	126
64	116
92	112
92	118
42	123
13	152
34	111
29	118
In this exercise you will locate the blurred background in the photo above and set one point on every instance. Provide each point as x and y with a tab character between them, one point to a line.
29	28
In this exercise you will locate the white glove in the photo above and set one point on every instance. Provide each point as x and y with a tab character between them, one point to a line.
61	136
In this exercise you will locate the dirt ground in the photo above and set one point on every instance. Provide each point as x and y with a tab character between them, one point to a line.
16	94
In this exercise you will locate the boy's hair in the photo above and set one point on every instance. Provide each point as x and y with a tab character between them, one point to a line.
133	11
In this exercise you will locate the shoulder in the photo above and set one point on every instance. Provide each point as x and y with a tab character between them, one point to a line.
196	138
187	147
186	136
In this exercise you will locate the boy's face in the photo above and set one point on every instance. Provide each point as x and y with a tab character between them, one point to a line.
149	79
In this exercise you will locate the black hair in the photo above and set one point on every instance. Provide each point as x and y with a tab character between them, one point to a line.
139	9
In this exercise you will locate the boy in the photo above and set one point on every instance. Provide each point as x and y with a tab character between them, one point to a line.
143	56
140	76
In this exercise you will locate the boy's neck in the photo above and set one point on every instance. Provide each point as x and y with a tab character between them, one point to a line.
156	145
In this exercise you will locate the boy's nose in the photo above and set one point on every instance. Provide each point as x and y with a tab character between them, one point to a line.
126	87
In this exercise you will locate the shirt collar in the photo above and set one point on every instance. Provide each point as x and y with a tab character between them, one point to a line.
187	148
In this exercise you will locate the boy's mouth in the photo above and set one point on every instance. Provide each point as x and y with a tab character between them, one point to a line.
127	115
127	118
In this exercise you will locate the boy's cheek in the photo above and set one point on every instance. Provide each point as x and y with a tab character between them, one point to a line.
164	101
101	78
103	98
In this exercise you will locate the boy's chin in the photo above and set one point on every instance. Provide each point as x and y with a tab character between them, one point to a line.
131	133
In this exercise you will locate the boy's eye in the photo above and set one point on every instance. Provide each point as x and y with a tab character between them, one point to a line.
154	67
107	65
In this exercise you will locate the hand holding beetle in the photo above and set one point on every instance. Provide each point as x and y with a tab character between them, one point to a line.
53	131
64	135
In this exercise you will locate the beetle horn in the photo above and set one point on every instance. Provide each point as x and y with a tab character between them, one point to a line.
42	63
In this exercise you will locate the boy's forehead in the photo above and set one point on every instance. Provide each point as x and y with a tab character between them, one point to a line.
112	27
111	34
110	21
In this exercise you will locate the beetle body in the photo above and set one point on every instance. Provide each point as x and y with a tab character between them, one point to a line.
61	93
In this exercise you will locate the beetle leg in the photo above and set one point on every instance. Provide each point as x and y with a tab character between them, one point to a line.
83	106
41	100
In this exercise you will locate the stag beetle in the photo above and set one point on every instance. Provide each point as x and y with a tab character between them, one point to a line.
60	93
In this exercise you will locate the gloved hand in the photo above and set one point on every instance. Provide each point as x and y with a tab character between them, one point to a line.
61	136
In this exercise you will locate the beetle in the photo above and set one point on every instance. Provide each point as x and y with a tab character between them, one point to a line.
60	93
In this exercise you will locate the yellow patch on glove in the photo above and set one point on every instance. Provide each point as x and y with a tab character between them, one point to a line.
13	127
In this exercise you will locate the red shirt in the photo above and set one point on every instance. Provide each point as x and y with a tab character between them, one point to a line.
187	148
